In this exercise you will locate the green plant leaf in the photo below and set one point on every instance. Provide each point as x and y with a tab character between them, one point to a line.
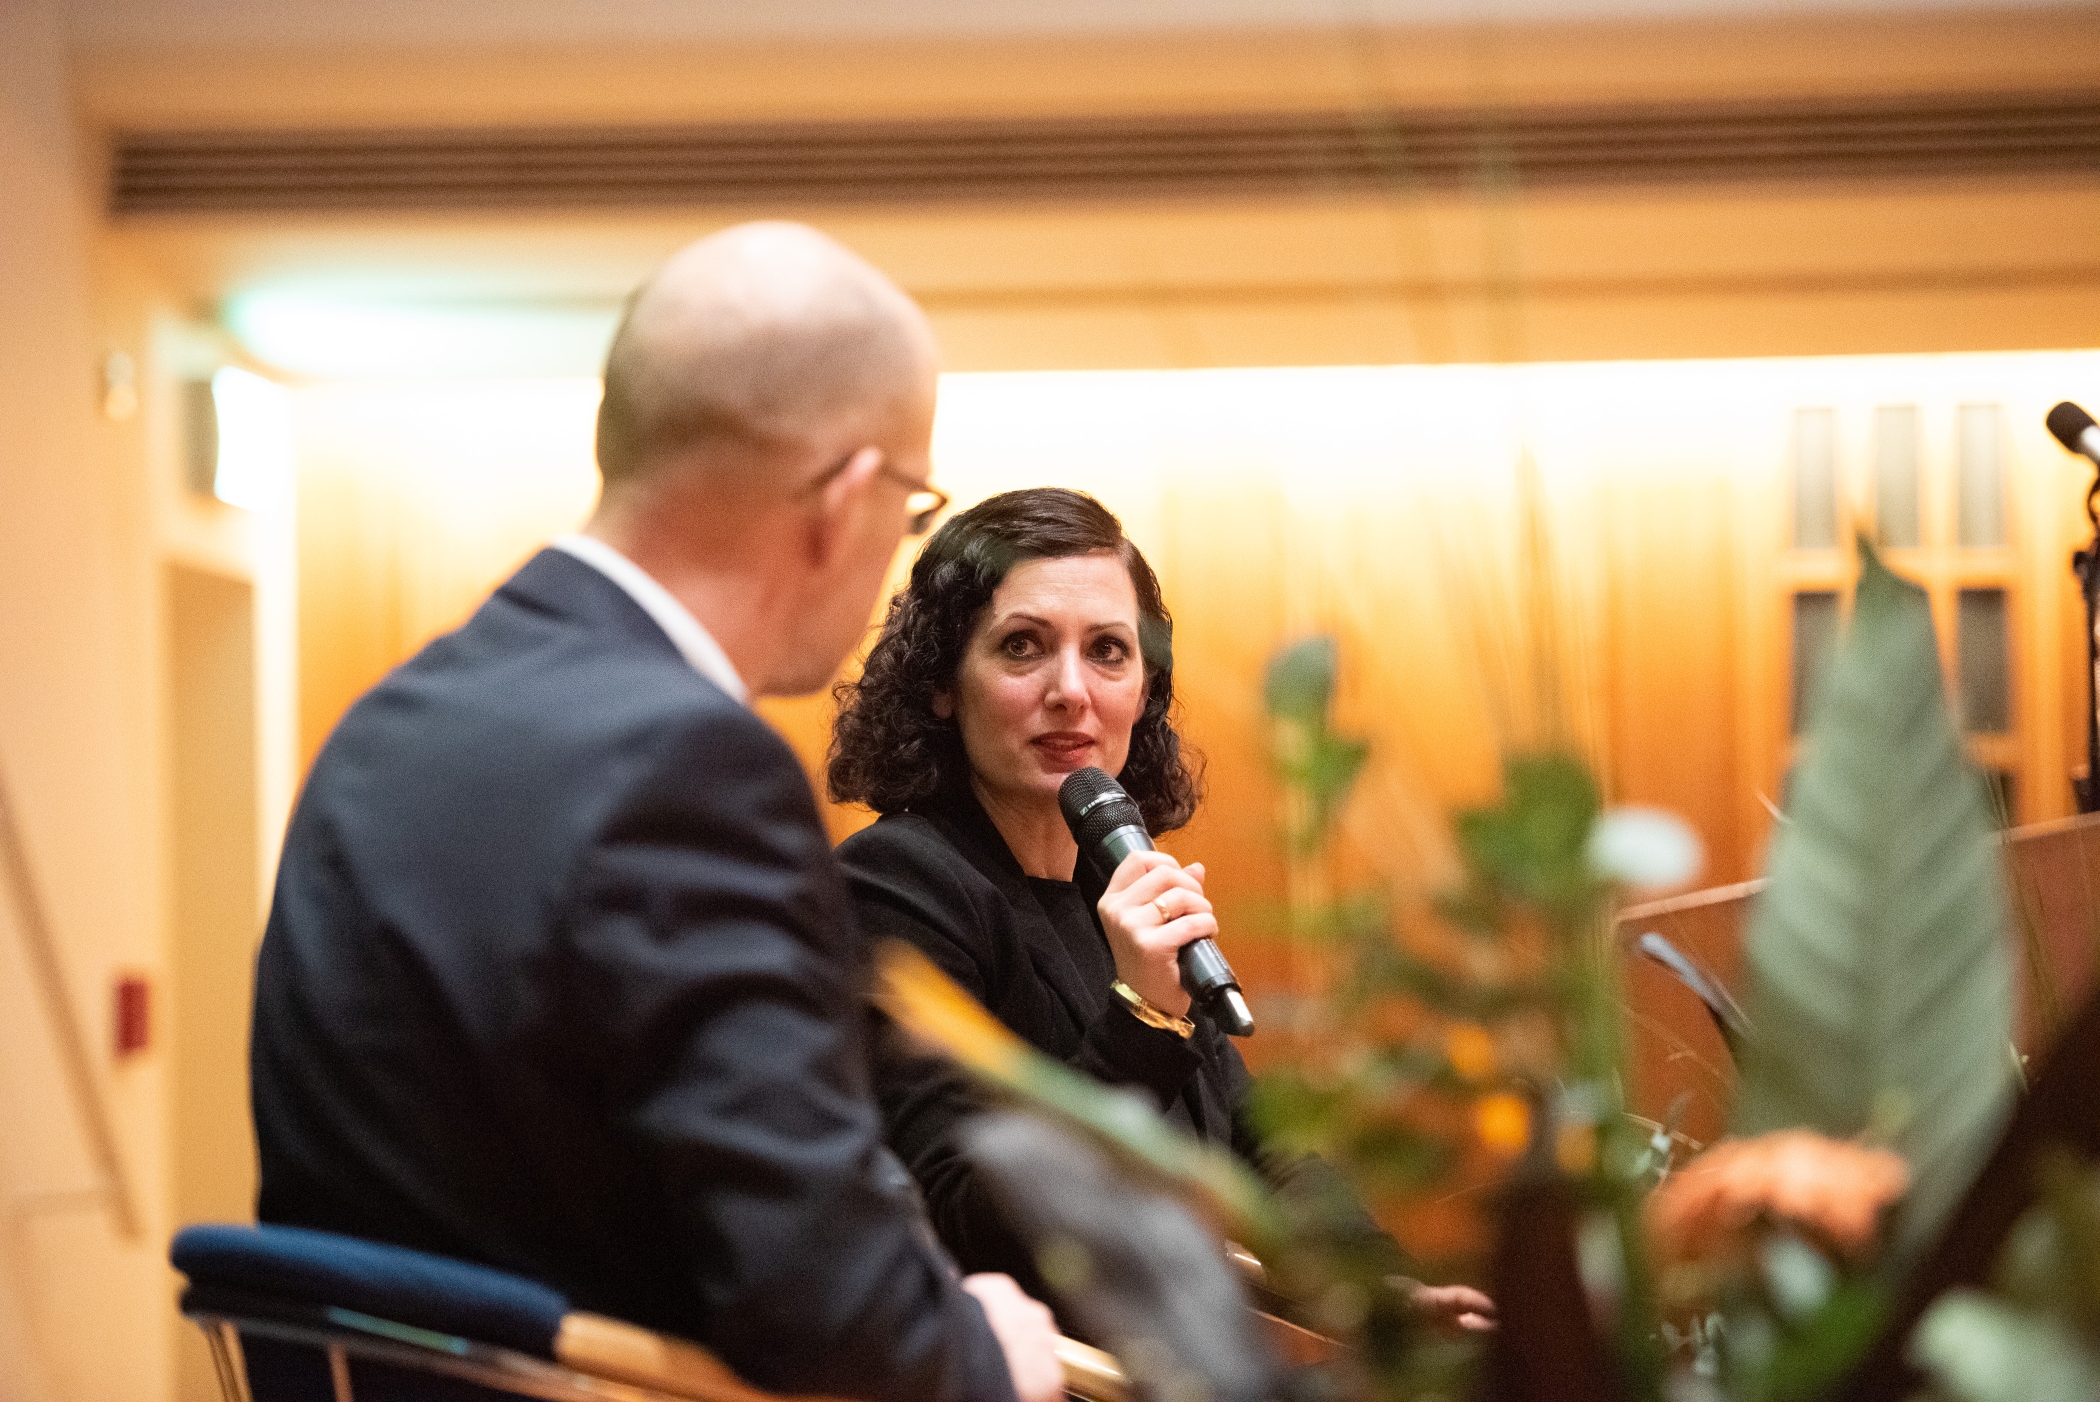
1984	1350
1393	970
1391	1157
1814	1353
1352	919
1300	682
1295	1115
2051	1262
1531	845
1880	976
1331	765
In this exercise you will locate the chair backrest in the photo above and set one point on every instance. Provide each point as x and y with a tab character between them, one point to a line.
297	1316
321	1269
294	1315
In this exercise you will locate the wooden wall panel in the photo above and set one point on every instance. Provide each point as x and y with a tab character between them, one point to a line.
1668	647
1385	507
414	501
1503	556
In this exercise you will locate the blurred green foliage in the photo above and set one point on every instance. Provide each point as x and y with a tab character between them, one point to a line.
1529	849
1396	1049
1880	997
2037	1337
1880	961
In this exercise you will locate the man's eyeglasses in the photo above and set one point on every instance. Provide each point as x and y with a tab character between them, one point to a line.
925	502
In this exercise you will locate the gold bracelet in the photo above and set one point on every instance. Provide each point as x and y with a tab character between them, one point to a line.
1149	1013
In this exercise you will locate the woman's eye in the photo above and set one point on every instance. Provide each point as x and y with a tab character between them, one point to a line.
1111	650
1017	645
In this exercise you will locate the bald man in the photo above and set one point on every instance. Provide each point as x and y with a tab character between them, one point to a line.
560	975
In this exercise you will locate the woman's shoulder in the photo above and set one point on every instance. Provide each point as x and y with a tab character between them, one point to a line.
901	846
910	882
897	833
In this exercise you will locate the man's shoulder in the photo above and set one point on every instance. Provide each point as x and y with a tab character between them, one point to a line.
558	621
558	653
541	699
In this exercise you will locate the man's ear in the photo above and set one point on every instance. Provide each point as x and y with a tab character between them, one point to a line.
831	522
944	704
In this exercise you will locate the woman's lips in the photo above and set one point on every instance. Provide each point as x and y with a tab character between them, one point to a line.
1063	747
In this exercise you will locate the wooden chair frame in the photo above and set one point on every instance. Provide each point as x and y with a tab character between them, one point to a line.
625	1363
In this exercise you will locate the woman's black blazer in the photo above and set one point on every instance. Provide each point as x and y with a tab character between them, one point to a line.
943	879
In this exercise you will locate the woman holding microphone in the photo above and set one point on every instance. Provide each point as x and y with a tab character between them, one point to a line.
1032	642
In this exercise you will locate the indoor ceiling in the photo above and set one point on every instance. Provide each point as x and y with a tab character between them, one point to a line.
496	288
420	23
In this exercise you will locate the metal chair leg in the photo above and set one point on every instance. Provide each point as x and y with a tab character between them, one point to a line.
228	1361
339	1373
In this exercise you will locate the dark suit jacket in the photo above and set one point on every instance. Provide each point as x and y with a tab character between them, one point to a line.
942	878
561	977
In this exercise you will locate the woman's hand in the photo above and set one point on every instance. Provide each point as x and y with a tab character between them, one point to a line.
1453	1308
1152	907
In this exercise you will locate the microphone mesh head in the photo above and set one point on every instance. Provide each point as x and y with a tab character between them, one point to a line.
1095	805
2068	422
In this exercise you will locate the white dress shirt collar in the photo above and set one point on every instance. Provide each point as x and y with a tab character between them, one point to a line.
692	640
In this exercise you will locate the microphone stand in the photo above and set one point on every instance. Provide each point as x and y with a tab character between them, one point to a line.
2086	565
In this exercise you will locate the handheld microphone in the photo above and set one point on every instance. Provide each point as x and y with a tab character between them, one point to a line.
2074	428
1108	825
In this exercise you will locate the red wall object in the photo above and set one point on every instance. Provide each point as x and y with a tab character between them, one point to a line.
133	1020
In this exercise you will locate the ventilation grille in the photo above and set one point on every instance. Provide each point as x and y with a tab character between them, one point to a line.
1113	159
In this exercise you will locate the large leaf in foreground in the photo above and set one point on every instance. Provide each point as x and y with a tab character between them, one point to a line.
1881	983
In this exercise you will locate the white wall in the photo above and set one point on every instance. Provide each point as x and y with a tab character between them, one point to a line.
84	1313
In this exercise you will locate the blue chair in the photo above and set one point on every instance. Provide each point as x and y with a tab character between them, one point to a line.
301	1316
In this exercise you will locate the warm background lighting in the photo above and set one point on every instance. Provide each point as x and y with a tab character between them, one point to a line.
1386	506
421	221
352	331
255	440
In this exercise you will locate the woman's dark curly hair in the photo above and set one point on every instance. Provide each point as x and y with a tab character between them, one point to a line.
891	752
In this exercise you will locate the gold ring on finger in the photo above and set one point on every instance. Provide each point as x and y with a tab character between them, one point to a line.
1160	904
